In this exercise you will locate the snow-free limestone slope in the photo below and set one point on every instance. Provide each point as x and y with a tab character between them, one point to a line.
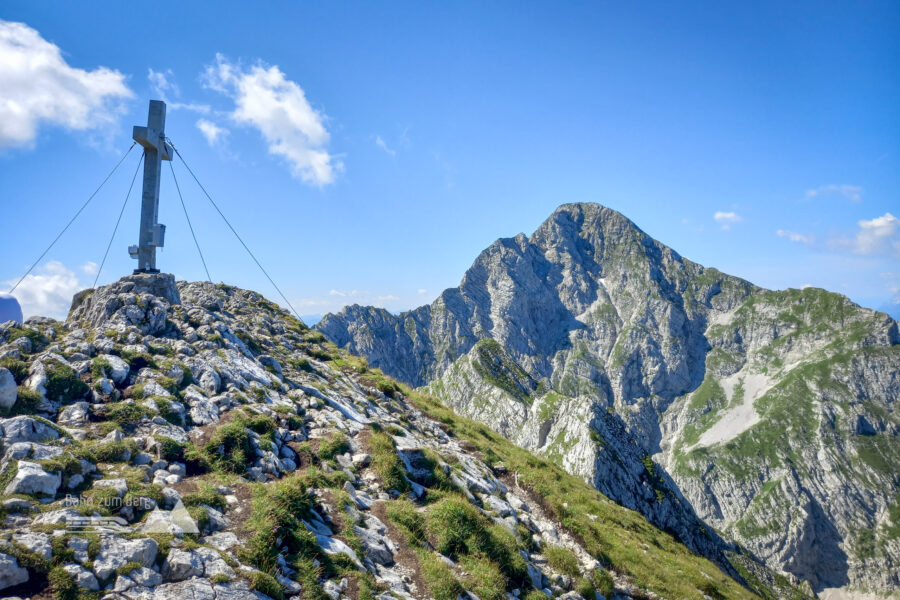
193	441
675	389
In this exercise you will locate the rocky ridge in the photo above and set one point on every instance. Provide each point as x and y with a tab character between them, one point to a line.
175	440
679	391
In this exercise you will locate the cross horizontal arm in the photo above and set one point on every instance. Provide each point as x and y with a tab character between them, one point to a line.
152	140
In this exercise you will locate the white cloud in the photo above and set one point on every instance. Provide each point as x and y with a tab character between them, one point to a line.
38	86
880	235
160	84
163	87
212	132
90	268
422	291
47	292
265	99
725	219
383	145
874	237
850	192
800	238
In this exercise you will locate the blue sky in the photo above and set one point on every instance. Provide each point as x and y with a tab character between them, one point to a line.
368	152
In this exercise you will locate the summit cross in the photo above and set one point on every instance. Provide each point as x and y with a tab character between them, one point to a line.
156	149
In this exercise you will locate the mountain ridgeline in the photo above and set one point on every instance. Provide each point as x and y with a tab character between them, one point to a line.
718	409
175	440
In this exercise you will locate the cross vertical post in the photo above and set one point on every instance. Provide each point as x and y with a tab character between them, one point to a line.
152	233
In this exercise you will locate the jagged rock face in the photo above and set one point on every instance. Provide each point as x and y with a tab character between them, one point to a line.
210	446
771	415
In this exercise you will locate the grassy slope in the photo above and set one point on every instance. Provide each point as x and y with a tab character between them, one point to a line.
613	534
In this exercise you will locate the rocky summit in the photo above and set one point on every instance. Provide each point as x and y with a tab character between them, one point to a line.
722	412
175	441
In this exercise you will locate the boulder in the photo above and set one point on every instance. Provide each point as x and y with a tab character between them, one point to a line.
146	577
8	390
75	415
26	429
115	552
39	543
31	450
118	484
84	578
222	540
31	479
376	546
118	369
10	572
181	565
194	589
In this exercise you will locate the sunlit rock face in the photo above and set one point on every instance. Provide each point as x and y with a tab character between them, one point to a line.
675	389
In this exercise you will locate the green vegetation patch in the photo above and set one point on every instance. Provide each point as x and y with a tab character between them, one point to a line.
62	382
386	462
498	369
615	536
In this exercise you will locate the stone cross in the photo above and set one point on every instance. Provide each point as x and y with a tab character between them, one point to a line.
152	233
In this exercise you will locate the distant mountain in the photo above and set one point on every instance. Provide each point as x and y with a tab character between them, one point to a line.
674	388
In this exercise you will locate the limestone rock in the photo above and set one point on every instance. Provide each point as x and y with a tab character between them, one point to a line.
10	572
8	390
26	429
115	552
666	384
31	479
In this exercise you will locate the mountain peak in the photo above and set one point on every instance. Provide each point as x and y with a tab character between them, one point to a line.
631	351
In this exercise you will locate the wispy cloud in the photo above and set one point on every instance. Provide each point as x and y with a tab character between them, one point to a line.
212	132
39	87
277	107
726	219
379	141
162	83
873	237
163	87
850	192
800	238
